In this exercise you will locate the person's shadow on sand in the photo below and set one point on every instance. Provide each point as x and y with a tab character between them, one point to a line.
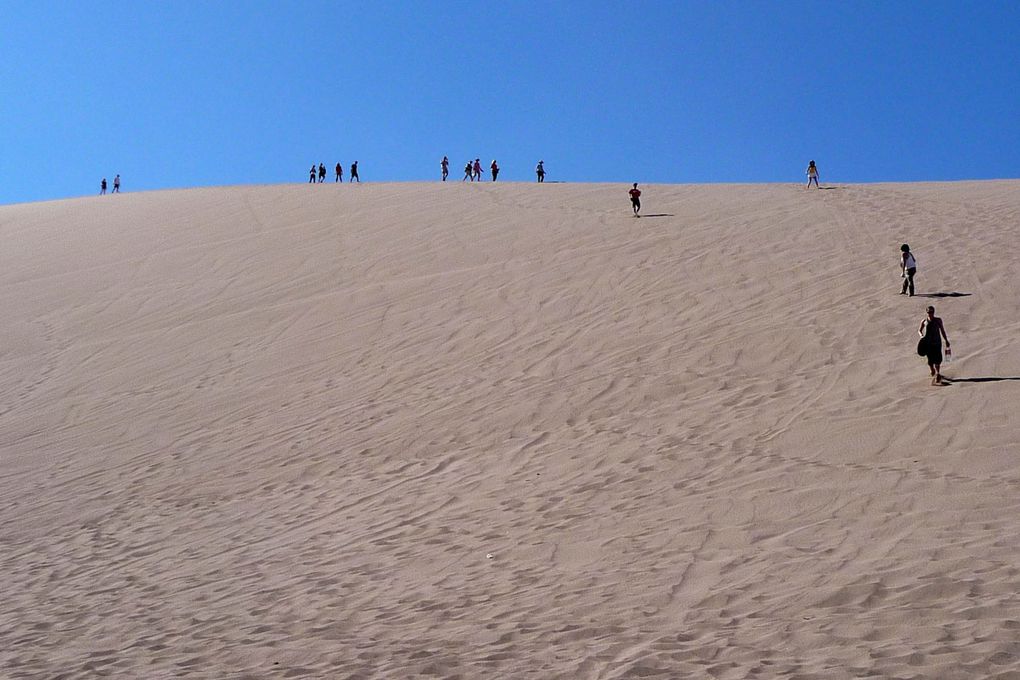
943	295
658	215
977	380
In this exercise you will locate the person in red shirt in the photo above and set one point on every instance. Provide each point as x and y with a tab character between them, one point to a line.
635	199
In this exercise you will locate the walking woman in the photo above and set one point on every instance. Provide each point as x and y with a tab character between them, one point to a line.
932	333
908	265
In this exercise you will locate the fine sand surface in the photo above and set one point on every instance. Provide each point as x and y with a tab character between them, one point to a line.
509	431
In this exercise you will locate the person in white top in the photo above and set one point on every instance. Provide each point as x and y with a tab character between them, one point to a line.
908	265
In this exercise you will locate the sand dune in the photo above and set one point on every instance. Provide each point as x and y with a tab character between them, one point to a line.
509	431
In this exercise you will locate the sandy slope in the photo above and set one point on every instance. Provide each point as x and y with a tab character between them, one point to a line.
508	431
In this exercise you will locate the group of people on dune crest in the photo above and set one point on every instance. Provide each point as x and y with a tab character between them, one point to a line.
473	170
338	171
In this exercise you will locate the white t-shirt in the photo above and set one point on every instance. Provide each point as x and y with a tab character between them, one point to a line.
910	262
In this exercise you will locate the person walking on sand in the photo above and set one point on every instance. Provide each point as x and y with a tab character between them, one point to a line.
322	173
102	187
339	173
635	199
908	265
932	332
812	175
445	165
311	175
469	173
116	184
354	173
478	169
540	171
495	169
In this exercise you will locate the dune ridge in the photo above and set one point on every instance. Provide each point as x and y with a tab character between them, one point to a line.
507	430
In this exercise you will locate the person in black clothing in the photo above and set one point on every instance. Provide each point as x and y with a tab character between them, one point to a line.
339	173
102	187
540	171
495	169
445	164
322	173
932	333
354	172
311	175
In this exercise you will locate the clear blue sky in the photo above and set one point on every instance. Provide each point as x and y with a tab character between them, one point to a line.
190	93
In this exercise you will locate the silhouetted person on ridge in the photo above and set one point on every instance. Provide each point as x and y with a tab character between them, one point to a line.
322	173
102	187
311	175
540	171
495	169
812	175
445	164
116	184
339	173
354	172
469	173
478	169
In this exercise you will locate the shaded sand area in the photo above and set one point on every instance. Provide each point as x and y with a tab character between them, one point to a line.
509	431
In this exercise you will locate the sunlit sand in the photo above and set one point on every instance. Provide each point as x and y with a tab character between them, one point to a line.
509	431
